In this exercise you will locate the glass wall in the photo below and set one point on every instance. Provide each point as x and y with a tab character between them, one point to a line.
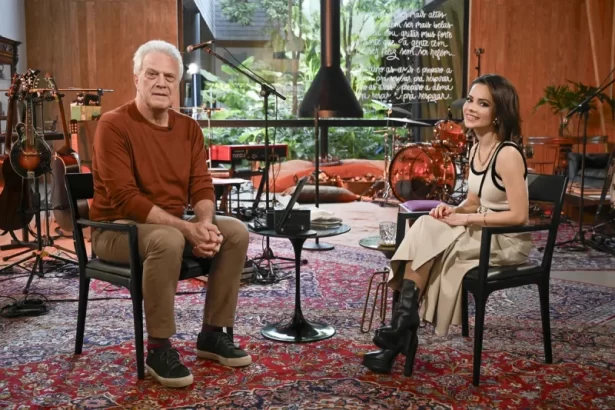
409	53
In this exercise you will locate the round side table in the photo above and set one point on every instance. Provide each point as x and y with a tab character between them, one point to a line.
298	329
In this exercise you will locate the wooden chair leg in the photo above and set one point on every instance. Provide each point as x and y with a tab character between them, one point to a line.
137	311
465	328
84	290
479	322
543	291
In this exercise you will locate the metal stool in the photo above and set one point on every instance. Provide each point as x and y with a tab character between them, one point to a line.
381	296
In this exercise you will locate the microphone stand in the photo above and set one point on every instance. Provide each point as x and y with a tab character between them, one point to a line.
266	91
583	110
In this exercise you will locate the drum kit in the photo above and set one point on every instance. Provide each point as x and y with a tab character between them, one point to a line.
425	170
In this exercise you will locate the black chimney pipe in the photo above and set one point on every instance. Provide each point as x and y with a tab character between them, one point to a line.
330	91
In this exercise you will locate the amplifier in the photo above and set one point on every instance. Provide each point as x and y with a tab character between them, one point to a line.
298	220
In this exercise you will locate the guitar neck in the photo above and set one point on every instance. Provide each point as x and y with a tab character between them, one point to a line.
58	97
65	131
10	116
10	113
29	124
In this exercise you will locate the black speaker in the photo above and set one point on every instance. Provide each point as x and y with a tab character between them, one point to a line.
298	220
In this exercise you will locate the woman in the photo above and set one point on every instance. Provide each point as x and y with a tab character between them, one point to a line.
440	248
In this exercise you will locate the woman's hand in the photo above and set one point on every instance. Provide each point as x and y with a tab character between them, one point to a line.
455	219
441	211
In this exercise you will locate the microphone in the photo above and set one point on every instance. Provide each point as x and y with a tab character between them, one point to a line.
191	48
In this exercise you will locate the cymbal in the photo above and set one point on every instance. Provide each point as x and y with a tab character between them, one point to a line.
384	131
409	121
392	107
200	109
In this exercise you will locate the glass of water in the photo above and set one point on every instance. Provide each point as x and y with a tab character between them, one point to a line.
388	231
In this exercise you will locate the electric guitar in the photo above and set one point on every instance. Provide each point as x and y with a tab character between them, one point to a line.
15	192
30	156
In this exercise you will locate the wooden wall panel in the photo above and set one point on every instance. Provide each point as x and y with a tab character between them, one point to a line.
90	43
538	43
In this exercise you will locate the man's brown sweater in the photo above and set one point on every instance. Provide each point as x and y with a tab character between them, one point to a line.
137	165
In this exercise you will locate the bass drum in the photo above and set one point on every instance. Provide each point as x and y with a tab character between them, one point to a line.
422	171
451	134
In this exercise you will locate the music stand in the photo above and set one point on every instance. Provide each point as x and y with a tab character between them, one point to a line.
279	224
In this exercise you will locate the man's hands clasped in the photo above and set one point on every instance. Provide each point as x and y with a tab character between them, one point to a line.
205	238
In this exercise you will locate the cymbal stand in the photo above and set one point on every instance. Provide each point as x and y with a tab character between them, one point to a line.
386	192
208	111
317	245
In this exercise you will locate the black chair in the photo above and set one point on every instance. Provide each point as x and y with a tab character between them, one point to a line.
486	279
80	188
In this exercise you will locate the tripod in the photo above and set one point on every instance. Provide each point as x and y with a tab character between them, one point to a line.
266	91
583	110
38	251
386	191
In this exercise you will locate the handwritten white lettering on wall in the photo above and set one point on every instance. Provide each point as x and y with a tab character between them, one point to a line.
420	35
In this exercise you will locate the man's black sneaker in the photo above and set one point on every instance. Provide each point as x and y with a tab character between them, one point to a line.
218	346
165	366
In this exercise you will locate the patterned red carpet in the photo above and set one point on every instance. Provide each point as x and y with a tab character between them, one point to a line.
38	369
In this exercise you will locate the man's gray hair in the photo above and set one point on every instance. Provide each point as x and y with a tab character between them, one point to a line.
159	46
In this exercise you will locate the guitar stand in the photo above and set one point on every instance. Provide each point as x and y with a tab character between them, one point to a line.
38	248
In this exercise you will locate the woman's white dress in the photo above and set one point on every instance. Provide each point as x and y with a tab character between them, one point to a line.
455	250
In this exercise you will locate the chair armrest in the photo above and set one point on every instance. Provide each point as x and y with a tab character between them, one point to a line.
485	245
112	226
574	164
402	217
133	245
492	230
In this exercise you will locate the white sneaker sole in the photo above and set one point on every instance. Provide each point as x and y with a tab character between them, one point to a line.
174	383
232	362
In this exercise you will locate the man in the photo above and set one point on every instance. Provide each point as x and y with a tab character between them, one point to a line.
148	162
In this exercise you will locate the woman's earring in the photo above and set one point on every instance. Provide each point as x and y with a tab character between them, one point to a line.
496	122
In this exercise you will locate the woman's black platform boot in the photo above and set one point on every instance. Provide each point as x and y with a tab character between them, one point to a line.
402	332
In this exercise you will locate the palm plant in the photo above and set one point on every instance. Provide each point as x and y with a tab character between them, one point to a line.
563	98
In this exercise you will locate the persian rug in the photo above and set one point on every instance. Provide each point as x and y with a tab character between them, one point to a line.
38	368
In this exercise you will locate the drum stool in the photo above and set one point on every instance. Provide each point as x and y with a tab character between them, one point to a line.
420	205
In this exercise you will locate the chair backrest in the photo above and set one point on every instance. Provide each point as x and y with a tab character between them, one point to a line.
549	189
80	188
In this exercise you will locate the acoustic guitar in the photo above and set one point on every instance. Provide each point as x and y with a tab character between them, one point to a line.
65	161
15	192
30	156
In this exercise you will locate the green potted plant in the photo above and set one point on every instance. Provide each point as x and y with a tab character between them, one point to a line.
563	98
